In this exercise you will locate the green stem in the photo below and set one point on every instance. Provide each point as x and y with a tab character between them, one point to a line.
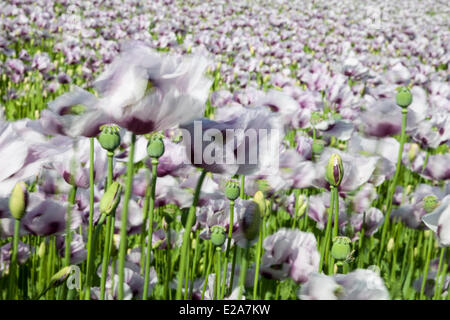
391	189
106	247
217	282
91	213
258	259
208	270
427	265
243	271
150	228
124	217
324	243
186	235
145	220
227	252
13	261
439	274
90	267
68	239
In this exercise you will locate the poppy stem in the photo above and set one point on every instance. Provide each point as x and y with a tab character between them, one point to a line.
391	189
149	214
186	235
91	217
124	217
106	248
13	261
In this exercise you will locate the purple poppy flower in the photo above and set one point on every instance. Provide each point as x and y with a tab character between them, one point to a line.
23	253
318	206
364	198
360	284
144	92
437	167
413	211
73	114
46	217
243	141
371	219
439	222
73	164
290	253
78	252
23	152
41	62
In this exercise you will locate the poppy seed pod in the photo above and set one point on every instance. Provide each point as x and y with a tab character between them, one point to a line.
341	248
155	146
335	170
109	137
111	198
218	235
18	200
232	190
403	97
250	221
430	203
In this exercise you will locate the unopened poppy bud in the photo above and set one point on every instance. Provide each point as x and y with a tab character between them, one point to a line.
390	244
109	137
18	200
259	199
430	203
155	146
403	97
218	235
42	249
232	190
341	248
61	276
413	151
302	205
335	170
111	198
250	221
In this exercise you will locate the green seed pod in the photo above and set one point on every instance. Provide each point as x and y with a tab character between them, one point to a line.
250	221
155	146
218	235
109	138
232	190
61	276
334	170
430	203
318	146
341	248
111	198
403	97
18	200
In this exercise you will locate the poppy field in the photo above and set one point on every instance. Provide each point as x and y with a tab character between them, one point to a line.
224	150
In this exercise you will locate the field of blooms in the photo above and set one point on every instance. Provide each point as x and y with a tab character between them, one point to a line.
258	150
